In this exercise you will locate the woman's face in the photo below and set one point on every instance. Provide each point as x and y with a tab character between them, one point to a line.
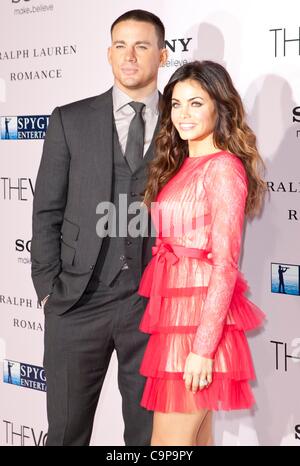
193	111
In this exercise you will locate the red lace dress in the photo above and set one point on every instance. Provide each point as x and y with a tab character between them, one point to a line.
195	303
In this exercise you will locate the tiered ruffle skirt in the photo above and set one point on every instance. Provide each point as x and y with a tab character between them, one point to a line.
172	320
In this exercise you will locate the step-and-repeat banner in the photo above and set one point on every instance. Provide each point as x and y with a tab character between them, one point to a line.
53	52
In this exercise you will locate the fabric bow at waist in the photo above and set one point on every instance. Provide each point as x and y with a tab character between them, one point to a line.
163	254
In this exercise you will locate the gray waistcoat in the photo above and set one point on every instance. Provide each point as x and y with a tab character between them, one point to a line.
116	251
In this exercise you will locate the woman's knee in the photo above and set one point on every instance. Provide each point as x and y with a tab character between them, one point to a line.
176	428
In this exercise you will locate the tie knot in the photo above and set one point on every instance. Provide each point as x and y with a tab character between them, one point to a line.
137	106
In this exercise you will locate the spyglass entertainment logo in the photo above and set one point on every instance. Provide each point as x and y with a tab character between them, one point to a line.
23	127
24	375
285	279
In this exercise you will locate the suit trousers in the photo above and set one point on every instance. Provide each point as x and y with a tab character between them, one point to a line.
78	349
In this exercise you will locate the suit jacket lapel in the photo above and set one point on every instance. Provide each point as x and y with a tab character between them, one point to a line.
102	142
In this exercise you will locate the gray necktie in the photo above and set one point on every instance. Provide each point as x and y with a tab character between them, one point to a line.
135	140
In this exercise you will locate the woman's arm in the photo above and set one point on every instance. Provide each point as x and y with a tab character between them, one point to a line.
226	186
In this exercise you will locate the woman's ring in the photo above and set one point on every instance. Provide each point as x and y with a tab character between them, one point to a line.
203	383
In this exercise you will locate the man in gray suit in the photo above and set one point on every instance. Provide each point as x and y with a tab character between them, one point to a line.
95	150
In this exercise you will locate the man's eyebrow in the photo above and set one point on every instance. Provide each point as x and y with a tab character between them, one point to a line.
146	42
192	98
143	42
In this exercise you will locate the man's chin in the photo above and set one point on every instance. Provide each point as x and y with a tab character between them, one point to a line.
131	84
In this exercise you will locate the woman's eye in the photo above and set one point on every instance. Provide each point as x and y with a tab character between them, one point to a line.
194	104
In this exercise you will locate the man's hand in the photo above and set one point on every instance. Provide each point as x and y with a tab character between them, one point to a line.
43	302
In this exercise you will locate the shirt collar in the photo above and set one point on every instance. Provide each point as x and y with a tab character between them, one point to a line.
120	99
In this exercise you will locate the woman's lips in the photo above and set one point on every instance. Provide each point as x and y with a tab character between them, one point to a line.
186	126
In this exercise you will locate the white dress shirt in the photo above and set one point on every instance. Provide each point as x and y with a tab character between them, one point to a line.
123	114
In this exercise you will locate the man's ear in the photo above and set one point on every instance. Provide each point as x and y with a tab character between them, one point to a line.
109	55
163	56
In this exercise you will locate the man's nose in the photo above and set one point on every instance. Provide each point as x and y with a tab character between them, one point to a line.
130	54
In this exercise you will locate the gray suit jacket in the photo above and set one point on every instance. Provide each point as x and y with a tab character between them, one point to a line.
75	174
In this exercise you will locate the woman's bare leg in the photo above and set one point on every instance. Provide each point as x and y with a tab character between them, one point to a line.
205	434
176	428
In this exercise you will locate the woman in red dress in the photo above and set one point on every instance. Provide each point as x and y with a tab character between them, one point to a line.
205	178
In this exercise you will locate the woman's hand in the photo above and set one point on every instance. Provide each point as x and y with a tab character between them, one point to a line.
197	369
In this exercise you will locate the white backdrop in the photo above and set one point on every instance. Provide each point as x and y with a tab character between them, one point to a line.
54	52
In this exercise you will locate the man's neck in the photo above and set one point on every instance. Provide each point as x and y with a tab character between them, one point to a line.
138	94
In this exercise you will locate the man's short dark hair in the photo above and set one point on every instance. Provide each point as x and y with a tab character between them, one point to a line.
147	17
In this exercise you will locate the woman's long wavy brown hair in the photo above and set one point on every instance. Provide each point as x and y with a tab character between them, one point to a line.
231	133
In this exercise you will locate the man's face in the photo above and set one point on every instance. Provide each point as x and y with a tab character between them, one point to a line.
134	55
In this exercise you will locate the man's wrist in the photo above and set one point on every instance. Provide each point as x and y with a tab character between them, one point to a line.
45	299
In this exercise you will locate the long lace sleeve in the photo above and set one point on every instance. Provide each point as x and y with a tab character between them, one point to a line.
226	186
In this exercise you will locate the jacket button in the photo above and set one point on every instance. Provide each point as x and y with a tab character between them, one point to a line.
122	257
133	194
92	266
128	242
